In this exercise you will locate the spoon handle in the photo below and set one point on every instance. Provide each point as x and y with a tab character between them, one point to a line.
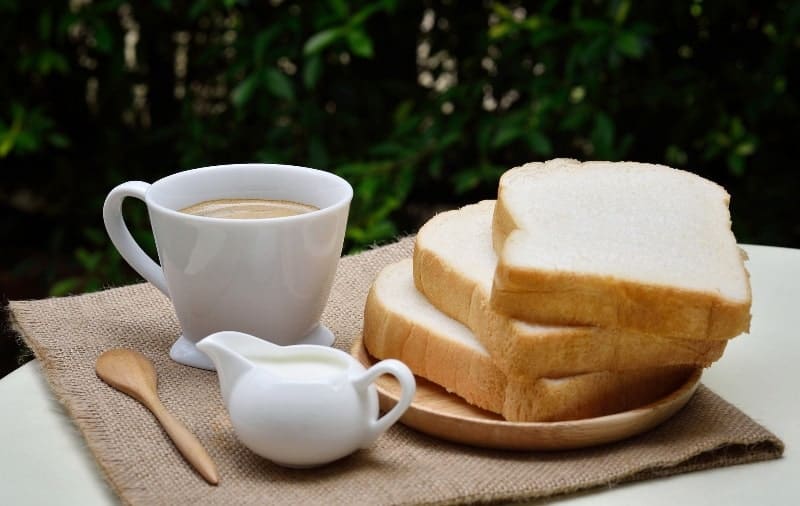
189	446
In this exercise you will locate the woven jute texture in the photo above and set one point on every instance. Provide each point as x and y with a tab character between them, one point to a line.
403	466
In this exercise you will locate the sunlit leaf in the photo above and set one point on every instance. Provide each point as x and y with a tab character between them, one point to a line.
321	40
501	10
745	148
621	13
532	23
360	43
499	30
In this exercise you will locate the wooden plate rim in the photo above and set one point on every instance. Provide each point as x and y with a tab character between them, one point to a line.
652	414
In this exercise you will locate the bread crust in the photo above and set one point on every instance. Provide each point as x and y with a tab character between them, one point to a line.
389	332
525	351
568	298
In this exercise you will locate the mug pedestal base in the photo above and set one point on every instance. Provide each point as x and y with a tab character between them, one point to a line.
185	352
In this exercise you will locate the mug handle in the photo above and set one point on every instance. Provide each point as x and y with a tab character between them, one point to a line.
122	238
408	387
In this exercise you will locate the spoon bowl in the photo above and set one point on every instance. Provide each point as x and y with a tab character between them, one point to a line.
132	373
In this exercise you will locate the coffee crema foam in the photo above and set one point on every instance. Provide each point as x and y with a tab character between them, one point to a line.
251	209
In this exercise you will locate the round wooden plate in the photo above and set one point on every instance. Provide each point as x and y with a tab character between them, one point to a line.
438	413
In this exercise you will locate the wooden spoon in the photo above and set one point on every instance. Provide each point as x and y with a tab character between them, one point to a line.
132	373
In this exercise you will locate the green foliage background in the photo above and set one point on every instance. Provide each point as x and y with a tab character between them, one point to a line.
420	105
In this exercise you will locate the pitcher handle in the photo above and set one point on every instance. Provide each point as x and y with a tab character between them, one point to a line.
122	238
408	387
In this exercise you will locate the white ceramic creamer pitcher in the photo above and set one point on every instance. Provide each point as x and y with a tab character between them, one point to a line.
302	405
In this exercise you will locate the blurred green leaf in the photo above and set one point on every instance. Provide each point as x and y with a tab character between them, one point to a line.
465	181
506	134
532	23
575	119
737	127
278	84
539	143
261	45
95	236
621	12
499	30
360	17
736	164
603	132
403	111
103	37
630	45
321	40
312	71
199	7
746	148
26	141
65	287
58	140
242	93
8	138
501	10
360	43
88	259
339	7
591	26
317	153
45	24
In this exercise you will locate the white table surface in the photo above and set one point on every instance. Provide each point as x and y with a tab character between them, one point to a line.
43	459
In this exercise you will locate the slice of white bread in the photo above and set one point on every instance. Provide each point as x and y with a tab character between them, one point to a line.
454	265
400	323
620	245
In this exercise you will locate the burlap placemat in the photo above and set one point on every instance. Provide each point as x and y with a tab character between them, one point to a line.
403	467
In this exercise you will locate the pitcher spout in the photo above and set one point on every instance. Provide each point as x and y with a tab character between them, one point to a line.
228	351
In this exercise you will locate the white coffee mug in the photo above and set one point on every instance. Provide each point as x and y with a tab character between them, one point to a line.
268	277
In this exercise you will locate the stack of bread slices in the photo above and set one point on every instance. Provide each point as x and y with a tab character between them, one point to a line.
585	289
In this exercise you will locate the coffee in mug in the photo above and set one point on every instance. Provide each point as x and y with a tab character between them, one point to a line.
269	278
248	209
